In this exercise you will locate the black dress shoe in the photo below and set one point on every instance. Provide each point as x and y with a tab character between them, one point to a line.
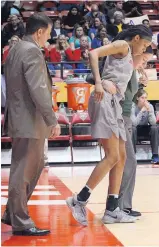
34	231
131	212
7	222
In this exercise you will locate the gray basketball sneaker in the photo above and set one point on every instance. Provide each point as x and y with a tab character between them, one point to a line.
117	216
78	209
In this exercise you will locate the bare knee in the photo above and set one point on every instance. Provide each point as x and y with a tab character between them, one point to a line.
113	158
117	158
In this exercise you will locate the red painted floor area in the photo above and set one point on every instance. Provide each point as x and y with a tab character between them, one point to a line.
65	231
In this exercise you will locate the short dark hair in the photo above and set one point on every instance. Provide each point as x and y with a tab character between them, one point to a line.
37	21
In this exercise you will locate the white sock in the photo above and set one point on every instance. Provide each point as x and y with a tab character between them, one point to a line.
115	195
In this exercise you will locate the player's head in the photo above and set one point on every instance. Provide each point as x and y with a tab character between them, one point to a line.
39	25
139	38
141	60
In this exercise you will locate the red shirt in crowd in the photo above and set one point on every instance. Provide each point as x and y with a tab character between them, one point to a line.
55	55
77	54
5	53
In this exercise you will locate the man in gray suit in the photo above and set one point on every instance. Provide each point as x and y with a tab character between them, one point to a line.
29	119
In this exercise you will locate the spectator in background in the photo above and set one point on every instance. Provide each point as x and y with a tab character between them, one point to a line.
61	52
13	41
106	7
85	25
85	7
132	9
118	6
13	27
118	25
56	30
75	40
143	115
7	9
90	16
93	30
81	53
146	22
101	34
83	67
73	18
84	45
105	41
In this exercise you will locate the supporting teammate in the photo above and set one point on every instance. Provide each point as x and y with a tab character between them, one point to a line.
106	119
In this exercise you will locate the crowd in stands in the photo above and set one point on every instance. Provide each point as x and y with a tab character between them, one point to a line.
86	26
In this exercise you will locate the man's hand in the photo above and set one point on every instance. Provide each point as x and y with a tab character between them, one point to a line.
109	87
55	131
144	78
144	81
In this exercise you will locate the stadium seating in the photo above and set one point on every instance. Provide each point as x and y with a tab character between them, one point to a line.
81	133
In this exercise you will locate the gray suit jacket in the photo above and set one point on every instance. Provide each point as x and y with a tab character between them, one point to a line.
28	112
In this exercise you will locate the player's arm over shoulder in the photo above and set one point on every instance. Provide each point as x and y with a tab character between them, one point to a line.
114	48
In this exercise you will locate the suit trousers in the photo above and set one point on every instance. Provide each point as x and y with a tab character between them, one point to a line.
129	174
46	151
27	163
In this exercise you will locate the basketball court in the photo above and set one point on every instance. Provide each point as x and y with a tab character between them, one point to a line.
48	209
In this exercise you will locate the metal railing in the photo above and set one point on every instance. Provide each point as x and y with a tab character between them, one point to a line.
87	71
62	63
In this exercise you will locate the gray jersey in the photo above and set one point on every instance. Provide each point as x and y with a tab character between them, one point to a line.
106	115
119	71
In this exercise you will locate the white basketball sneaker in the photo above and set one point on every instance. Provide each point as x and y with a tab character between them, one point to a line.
117	216
78	209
